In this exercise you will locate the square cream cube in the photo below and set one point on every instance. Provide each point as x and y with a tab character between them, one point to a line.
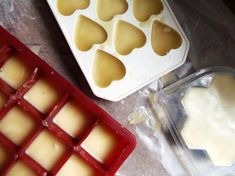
14	72
100	143
21	169
76	166
46	150
72	119
17	125
43	96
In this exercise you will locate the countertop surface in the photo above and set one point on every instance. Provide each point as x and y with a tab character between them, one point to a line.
209	25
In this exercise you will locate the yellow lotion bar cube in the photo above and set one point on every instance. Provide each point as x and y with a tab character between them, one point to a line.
43	96
14	72
72	119
76	166
3	156
21	169
100	143
46	150
17	125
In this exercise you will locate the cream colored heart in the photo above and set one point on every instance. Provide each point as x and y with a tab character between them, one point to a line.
144	9
164	38
106	69
107	9
128	37
68	7
88	33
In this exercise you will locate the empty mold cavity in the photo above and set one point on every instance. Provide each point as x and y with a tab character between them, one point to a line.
75	165
73	119
14	72
17	125
4	156
46	150
3	99
107	68
68	7
21	169
210	123
107	9
100	143
43	95
144	9
88	33
164	38
128	37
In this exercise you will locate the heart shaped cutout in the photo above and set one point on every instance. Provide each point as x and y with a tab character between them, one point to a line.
88	33
107	9
144	9
107	68
164	38
68	7
128	37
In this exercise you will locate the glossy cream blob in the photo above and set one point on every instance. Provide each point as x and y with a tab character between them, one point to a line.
210	125
14	72
107	68
164	38
107	9
17	125
88	33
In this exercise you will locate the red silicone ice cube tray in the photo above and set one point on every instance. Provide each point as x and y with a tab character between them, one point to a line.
35	97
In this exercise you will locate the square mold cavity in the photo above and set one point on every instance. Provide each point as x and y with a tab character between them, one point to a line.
17	125
46	150
73	119
43	95
122	45
15	72
75	165
46	119
21	169
102	144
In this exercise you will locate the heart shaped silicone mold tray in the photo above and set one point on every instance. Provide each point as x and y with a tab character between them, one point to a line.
142	35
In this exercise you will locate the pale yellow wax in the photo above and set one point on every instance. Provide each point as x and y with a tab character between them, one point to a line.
100	143
46	150
16	125
42	96
76	166
14	72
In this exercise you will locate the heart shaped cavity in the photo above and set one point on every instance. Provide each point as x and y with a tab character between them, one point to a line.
88	33
128	37
107	68
164	38
107	9
144	9
68	7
